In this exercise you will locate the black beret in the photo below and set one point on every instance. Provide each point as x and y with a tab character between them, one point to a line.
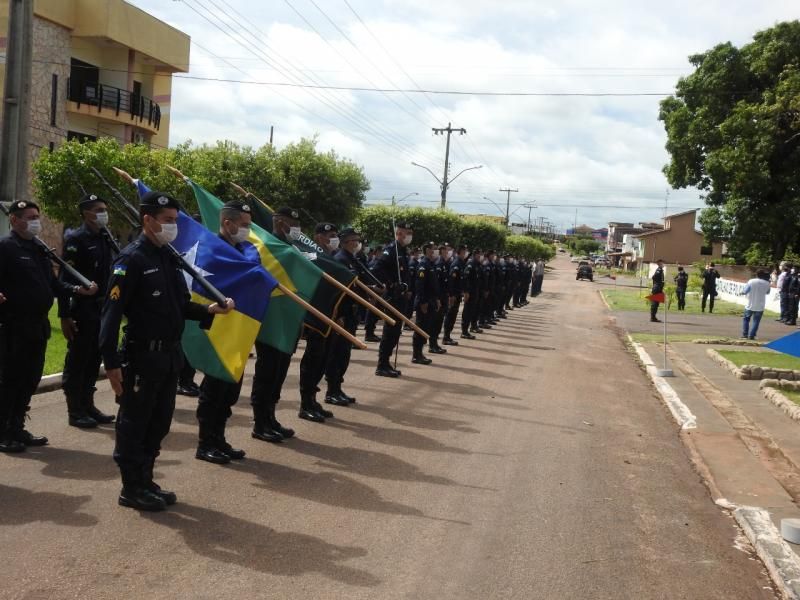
428	245
237	205
348	232
285	211
89	199
462	247
154	199
404	225
20	205
325	228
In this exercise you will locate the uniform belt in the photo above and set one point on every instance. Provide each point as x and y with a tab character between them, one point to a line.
154	345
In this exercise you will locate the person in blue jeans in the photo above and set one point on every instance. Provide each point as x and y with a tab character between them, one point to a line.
756	291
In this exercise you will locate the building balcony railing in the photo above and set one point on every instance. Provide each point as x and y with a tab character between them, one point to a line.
116	101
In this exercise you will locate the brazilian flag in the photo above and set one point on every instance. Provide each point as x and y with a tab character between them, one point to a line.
283	321
221	351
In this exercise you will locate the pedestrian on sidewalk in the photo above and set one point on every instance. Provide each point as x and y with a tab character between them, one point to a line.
681	282
756	291
658	287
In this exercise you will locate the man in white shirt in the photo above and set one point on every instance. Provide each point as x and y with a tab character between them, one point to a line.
756	291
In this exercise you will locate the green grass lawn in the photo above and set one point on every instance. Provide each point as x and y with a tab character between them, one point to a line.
634	300
56	346
792	395
776	360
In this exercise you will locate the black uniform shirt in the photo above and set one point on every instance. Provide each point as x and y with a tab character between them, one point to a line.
90	254
427	285
386	267
710	277
455	286
27	280
148	287
442	270
682	280
658	280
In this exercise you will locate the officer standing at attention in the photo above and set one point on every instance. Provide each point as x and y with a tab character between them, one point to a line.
681	283
148	287
27	288
710	276
391	268
272	365
471	286
658	287
426	301
315	355
455	289
216	397
341	348
441	268
88	249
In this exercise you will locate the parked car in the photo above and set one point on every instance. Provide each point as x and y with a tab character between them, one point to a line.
575	259
584	271
562	250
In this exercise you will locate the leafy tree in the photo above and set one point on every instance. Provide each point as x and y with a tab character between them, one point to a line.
528	247
483	233
584	245
733	129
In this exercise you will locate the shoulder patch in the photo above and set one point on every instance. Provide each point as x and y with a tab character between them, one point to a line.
120	271
114	293
421	273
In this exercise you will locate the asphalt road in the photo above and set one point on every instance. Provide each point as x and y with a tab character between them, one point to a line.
535	462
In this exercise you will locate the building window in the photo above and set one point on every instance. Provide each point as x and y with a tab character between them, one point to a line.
706	251
81	137
53	100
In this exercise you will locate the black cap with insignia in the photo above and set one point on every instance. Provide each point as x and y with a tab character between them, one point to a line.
325	228
404	225
290	213
20	205
348	232
89	199
154	200
237	205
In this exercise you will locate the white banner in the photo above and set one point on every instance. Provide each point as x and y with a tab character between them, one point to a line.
730	291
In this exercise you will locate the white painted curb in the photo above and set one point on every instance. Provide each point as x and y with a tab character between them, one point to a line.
681	413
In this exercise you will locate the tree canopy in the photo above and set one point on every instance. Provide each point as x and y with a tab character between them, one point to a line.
323	186
733	129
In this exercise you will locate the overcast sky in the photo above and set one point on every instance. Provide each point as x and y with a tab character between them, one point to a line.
598	155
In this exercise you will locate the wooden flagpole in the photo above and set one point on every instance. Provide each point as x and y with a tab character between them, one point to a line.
321	316
392	309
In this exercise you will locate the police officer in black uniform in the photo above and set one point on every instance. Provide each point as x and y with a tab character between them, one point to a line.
710	276
341	348
455	289
658	287
148	287
681	283
27	288
272	365
89	250
441	268
471	289
217	397
427	301
315	356
391	269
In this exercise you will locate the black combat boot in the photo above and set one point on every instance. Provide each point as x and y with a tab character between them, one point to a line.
22	435
385	370
95	413
307	409
168	497
7	442
77	415
135	495
276	426
262	427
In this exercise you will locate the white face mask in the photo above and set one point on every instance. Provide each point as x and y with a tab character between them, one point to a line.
294	233
449	254
168	233
101	219
358	248
333	243
34	227
407	240
241	235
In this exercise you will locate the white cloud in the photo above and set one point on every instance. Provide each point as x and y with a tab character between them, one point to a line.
557	150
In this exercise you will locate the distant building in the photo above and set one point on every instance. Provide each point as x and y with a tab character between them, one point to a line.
678	242
580	230
601	235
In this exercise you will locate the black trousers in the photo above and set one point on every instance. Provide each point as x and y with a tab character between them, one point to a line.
468	314
681	294
391	333
653	309
339	353
214	409
452	315
22	350
81	366
369	322
784	306
271	368
146	406
187	373
313	363
437	322
708	294
426	322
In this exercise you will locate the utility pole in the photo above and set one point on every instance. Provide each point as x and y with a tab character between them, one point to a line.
449	130
508	200
271	131
16	103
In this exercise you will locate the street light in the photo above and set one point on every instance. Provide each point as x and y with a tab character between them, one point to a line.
446	184
502	212
404	197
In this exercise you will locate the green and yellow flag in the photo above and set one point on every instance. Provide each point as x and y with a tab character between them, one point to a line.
284	318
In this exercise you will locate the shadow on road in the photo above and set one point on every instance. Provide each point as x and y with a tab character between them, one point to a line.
406	418
66	463
231	540
455	388
395	437
19	506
